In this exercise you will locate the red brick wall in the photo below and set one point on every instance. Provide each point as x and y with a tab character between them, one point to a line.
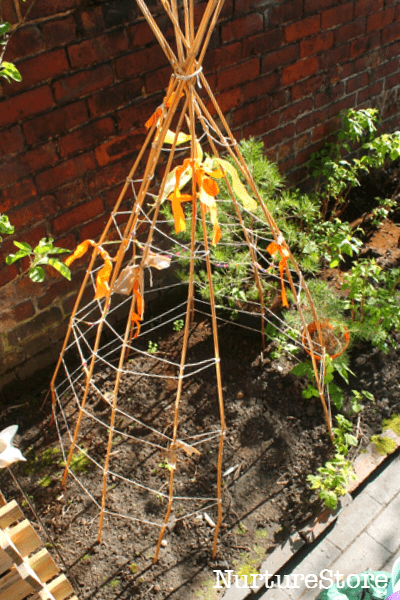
93	73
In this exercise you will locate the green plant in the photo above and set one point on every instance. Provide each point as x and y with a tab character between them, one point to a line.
40	255
133	568
356	398
332	480
79	462
152	347
384	445
165	465
392	423
7	70
305	369
342	436
46	481
178	325
5	226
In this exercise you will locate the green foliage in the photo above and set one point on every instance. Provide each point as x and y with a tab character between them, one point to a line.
332	480
342	436
79	462
384	445
5	226
178	325
392	423
40	255
152	347
356	398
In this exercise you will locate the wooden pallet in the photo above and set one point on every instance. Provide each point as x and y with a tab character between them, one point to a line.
26	568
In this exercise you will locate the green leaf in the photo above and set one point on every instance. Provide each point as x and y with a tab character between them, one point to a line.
23	246
9	71
4	27
60	267
334	263
36	274
5	225
12	258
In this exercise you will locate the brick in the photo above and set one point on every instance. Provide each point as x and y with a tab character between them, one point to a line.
48	8
350	31
262	43
98	49
223	57
86	137
64	172
321	42
357	66
18	192
37	210
311	6
328	93
325	129
55	122
279	58
9	12
89	21
380	19
157	81
391	33
76	216
94	229
228	101
336	56
141	34
83	83
253	111
58	31
241	27
25	105
11	140
24	42
357	82
280	98
387	68
118	147
7	274
137	115
114	97
307	87
117	12
55	291
294	110
23	165
337	15
142	61
367	7
336	108
109	176
285	12
43	321
262	85
234	76
300	70
301	142
310	120
71	193
39	69
392	50
372	91
364	44
23	311
278	135
302	28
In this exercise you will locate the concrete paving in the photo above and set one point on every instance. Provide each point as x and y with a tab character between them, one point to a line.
365	535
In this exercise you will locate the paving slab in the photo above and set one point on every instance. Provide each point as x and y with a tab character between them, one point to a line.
353	520
385	528
365	552
387	484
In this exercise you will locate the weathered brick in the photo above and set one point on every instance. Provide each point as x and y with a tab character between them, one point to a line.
372	91
391	33
350	31
11	140
328	94
241	27
357	66
367	7
141	34
24	42
83	83
23	165
336	56
300	70
16	193
321	42
279	58
307	122
23	311
262	42
155	81
43	321
58	31
357	82
227	101
336	108
39	69
89	21
307	87
253	111
387	68
37	210
114	97
223	57
65	171
94	229
238	74
78	215
278	135
55	122
392	50
9	13
7	274
86	137
117	12
137	115
48	8
337	15
380	19
109	176
293	111
284	12
364	44
264	84
71	193
98	49
302	28
57	290
311	6
25	105
141	61
118	147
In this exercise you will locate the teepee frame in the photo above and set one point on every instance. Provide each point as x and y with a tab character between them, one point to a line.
191	45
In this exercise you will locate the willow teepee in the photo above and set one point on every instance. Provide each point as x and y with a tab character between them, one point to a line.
168	213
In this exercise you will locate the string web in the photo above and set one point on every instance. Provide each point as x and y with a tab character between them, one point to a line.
116	396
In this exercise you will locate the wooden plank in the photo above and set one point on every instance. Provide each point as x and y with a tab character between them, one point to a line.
5	562
43	565
10	514
13	587
25	538
7	546
60	588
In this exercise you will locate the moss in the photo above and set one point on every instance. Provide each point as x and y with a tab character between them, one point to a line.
384	445
392	423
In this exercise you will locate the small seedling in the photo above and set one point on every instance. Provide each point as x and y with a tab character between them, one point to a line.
134	568
165	465
178	325
152	347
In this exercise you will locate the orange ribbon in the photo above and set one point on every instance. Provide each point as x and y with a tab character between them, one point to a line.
272	249
157	115
137	316
103	276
